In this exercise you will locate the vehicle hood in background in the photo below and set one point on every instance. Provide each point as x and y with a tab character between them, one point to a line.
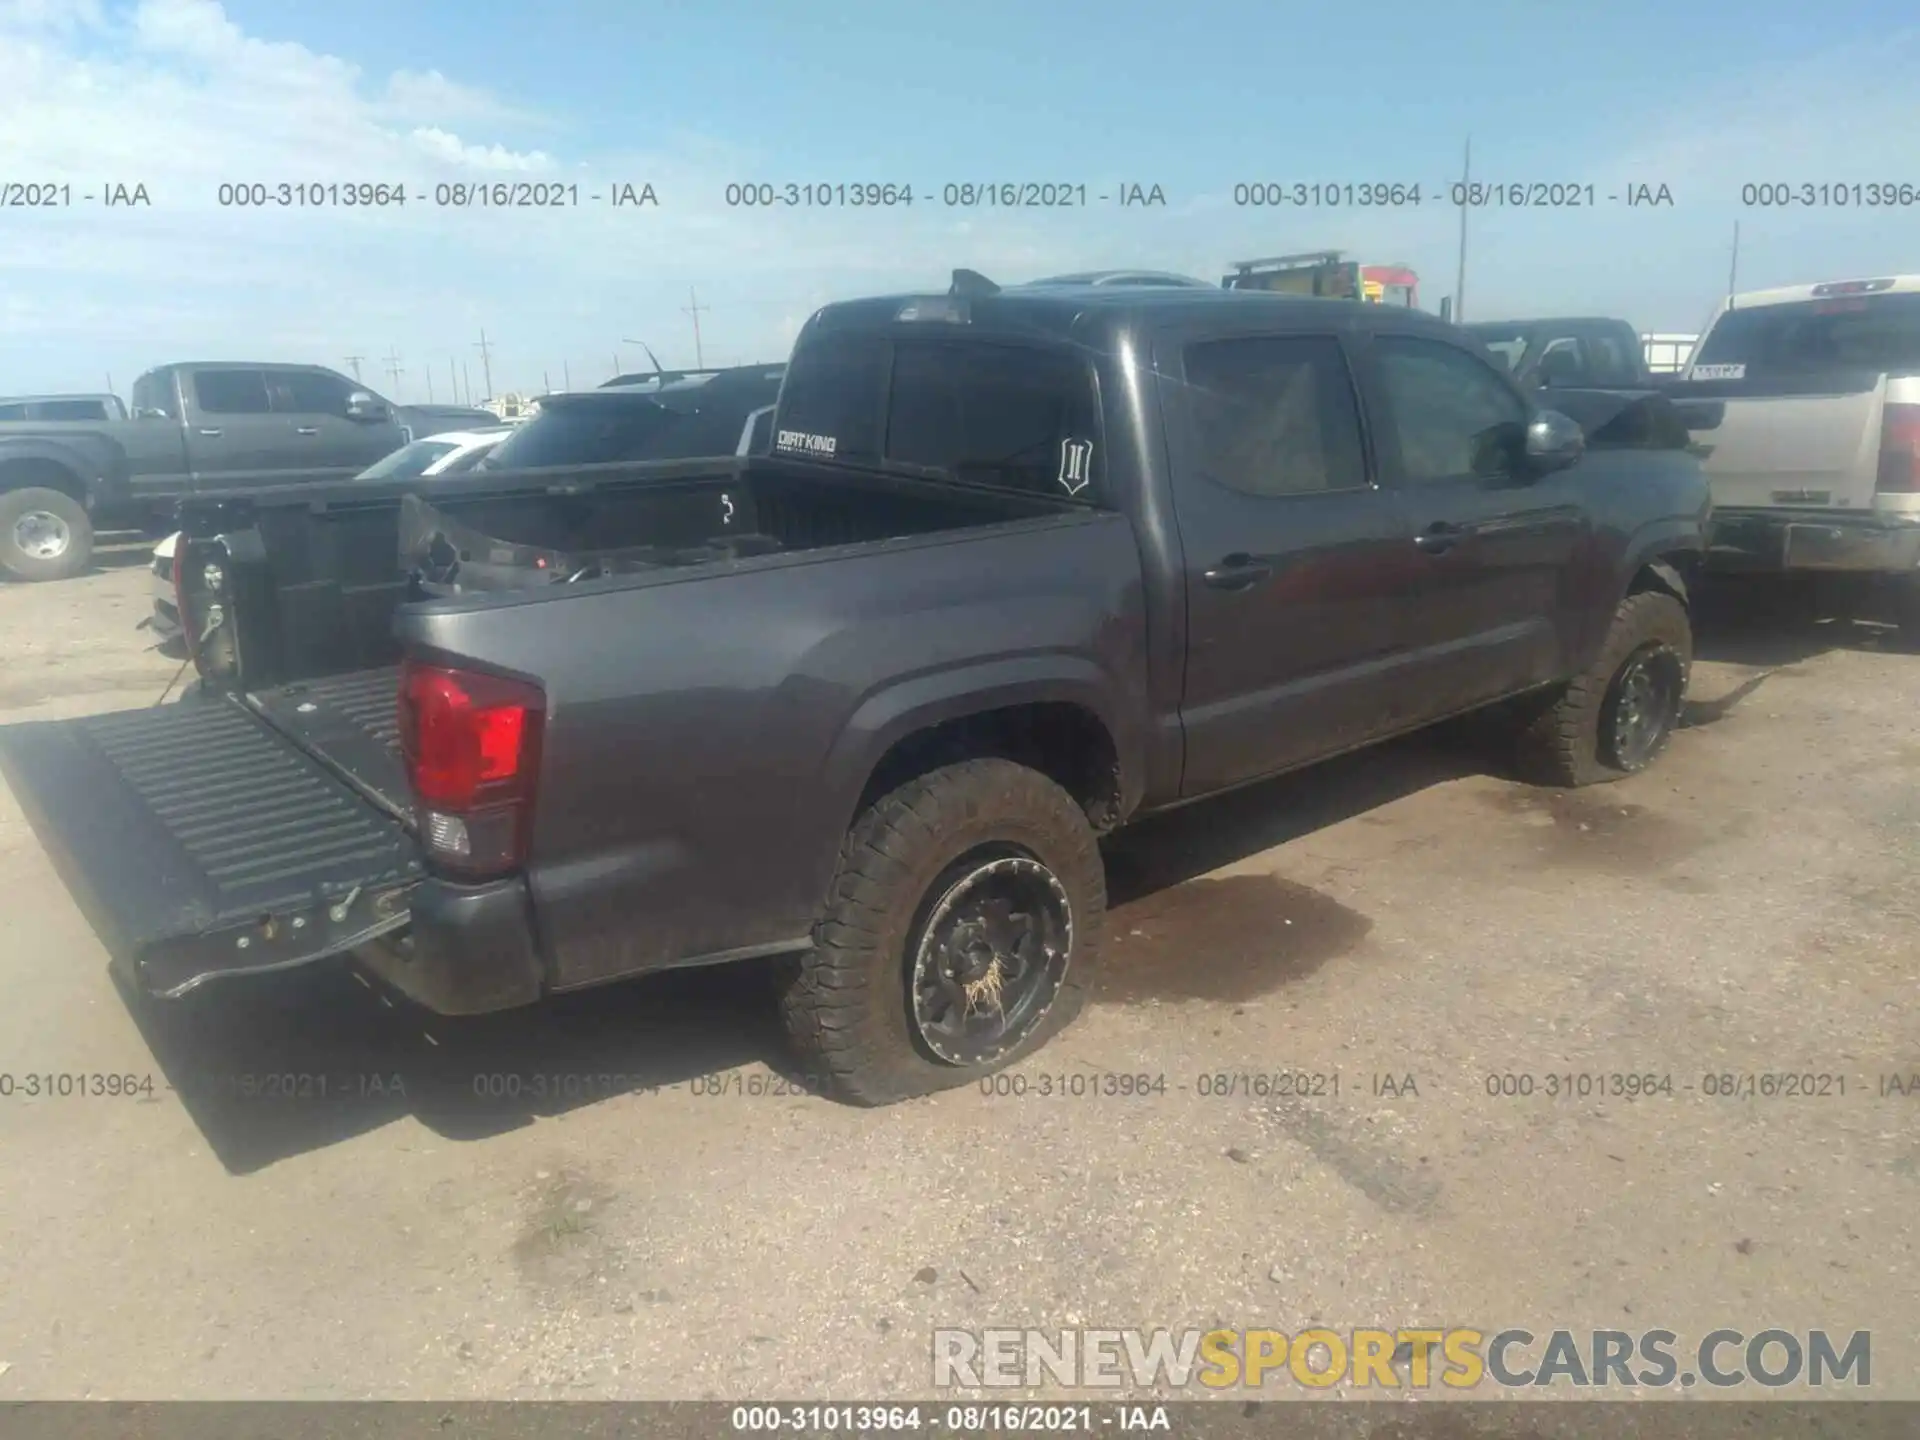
1620	419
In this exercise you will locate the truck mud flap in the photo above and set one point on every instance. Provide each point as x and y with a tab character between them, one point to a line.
200	843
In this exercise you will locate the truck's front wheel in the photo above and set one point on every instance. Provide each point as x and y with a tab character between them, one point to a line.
1619	717
44	534
960	934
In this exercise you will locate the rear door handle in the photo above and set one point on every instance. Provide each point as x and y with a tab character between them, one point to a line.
1238	572
306	429
1441	536
212	432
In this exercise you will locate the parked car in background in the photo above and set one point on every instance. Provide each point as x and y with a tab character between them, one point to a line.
1024	565
452	452
1574	353
61	408
1805	403
702	414
194	427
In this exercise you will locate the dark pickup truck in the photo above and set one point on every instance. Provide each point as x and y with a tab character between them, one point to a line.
194	427
1578	352
1023	566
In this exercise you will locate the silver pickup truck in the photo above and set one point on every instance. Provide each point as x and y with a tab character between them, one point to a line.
1804	404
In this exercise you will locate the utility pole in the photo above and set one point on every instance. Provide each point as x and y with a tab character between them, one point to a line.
354	361
110	389
1733	265
694	309
469	379
566	376
453	381
486	364
546	385
1460	276
616	363
394	370
429	374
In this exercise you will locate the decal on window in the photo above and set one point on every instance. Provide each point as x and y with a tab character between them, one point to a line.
1076	465
800	442
1719	372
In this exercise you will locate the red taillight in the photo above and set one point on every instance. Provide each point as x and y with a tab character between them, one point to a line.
1899	451
471	743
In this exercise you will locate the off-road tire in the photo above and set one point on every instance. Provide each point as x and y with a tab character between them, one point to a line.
846	1003
24	566
1561	742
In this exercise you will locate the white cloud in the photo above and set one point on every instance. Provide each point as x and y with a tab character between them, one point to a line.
173	95
439	145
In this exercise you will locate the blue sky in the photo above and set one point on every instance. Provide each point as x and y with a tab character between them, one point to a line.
183	95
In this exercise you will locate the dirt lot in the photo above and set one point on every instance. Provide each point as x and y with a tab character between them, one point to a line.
686	1227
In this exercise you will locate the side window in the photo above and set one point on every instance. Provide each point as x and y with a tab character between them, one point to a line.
230	392
155	392
993	414
13	412
1276	415
73	410
308	392
830	405
1452	415
465	463
1612	359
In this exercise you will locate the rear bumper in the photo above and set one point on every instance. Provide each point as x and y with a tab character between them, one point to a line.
1763	541
468	951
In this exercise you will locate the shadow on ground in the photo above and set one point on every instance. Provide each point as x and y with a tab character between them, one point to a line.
1772	622
273	1066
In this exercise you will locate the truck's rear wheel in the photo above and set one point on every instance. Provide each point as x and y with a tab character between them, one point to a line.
960	935
44	534
1619	717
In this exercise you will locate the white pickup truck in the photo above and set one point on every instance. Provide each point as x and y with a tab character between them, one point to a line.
1804	404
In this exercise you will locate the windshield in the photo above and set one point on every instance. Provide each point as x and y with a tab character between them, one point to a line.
408	460
588	432
1863	332
1506	343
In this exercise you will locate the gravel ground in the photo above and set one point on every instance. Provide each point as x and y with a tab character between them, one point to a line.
690	1226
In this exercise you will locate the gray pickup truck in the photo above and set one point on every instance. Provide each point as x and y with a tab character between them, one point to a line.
1023	566
194	427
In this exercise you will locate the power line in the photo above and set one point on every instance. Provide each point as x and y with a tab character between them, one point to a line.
486	363
699	359
394	370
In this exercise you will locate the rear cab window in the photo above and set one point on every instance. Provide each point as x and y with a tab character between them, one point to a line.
980	411
1844	332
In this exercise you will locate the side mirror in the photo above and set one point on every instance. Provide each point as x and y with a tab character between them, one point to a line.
1554	442
363	406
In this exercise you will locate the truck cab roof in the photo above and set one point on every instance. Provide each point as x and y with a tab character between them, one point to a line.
1101	313
1824	290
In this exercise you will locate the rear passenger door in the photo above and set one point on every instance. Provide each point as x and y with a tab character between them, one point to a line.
1295	557
1495	544
234	439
